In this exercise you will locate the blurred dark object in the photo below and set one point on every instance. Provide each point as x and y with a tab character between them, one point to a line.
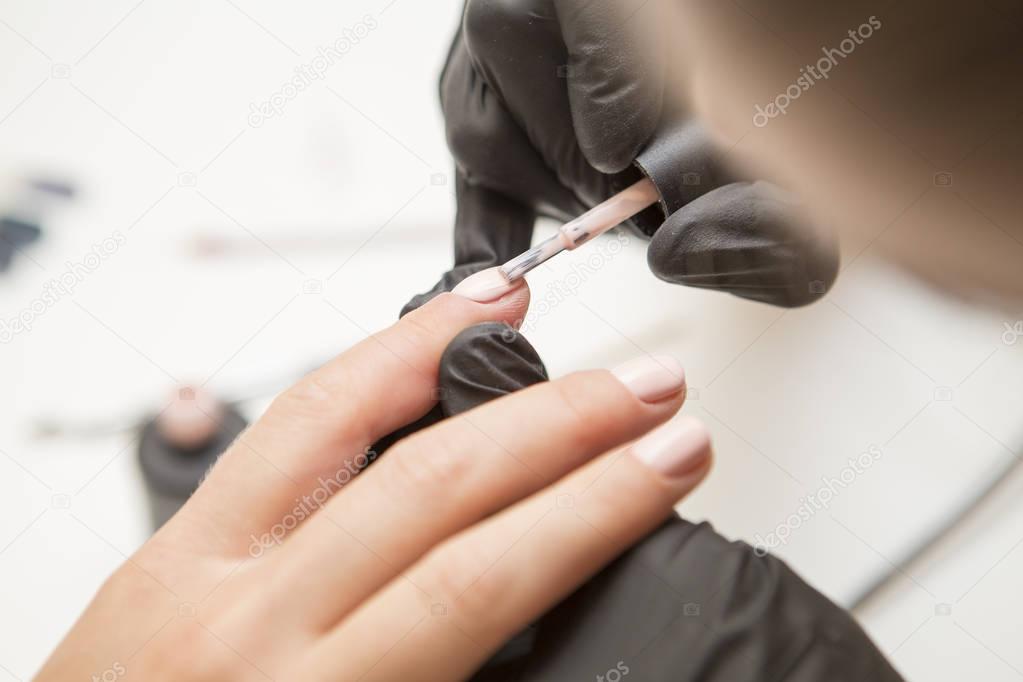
15	234
25	205
180	444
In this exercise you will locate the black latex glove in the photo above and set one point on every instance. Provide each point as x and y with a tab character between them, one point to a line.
551	107
683	605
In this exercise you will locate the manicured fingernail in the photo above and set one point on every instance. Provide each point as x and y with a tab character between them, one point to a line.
675	450
652	378
486	286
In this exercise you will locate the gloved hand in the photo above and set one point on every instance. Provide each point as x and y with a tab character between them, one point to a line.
683	605
552	106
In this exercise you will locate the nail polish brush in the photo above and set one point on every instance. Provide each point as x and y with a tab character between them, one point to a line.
593	223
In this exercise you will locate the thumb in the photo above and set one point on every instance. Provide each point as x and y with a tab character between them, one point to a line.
748	239
482	363
486	362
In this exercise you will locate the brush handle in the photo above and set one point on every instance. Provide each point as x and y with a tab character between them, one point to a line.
593	223
610	214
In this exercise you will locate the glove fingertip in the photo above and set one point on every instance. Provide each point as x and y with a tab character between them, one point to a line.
611	136
486	362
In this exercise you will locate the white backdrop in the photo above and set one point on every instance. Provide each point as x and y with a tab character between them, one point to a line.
334	211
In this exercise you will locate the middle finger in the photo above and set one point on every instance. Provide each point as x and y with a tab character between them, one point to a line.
456	473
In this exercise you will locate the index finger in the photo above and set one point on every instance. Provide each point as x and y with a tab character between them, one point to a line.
323	426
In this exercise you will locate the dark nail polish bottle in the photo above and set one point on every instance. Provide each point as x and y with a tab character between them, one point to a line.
180	444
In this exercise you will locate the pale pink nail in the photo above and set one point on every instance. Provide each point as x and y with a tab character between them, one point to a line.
675	450
486	286
652	378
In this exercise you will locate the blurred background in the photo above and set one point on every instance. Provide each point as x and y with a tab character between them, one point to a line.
176	214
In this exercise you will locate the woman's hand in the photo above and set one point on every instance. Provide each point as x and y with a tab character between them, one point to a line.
293	561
